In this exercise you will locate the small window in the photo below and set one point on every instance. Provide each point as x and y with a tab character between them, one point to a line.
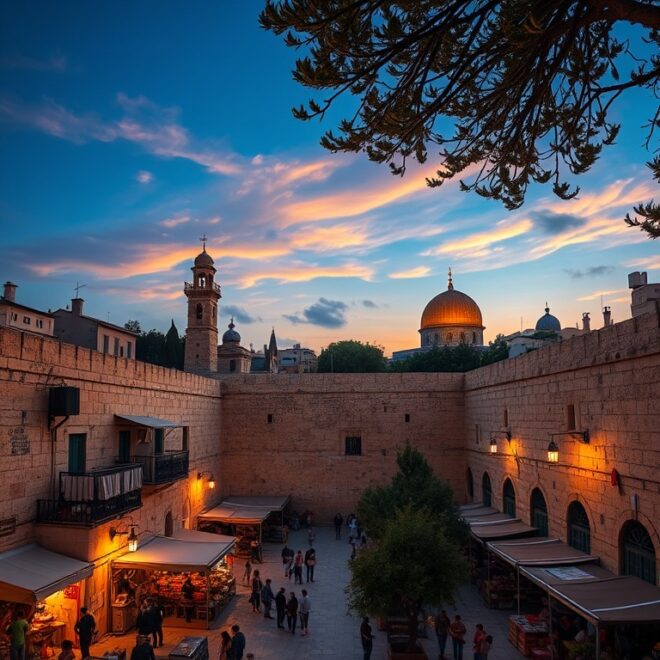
199	310
106	344
506	418
116	351
353	446
121	351
477	433
232	366
450	337
185	438
14	317
26	320
462	337
129	350
39	323
270	418
407	417
474	337
570	417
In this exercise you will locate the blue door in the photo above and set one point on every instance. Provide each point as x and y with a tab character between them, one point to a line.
77	443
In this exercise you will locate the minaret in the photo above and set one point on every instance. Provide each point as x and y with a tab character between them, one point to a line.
202	332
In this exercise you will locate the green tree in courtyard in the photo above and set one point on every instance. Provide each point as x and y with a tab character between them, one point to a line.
507	92
413	563
351	356
173	349
498	350
445	358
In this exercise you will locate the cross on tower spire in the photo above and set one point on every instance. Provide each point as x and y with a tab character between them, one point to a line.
203	239
77	289
450	284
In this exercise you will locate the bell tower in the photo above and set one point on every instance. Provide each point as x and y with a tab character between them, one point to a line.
203	293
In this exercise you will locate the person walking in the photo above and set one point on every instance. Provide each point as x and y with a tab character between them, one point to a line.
311	537
143	649
247	572
280	606
17	631
156	615
188	592
310	563
485	647
287	560
298	562
267	597
238	642
479	637
366	637
257	586
292	613
338	522
305	608
457	631
225	645
442	623
85	629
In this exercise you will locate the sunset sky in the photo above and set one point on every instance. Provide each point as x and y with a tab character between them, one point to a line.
128	130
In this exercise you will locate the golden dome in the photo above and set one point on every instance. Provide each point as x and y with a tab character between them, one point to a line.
451	308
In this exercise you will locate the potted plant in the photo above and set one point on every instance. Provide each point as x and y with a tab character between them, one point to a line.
414	559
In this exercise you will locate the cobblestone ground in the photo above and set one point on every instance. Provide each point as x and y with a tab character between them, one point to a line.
334	633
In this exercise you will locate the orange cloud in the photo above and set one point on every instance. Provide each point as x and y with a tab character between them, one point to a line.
420	271
604	294
323	238
304	273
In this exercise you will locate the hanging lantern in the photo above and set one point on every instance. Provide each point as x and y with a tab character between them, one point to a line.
553	452
493	446
211	482
132	540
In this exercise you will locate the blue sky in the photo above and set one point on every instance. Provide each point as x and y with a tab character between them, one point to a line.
128	130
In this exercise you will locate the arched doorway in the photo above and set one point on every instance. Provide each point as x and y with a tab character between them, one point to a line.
539	509
470	485
509	498
637	552
169	524
579	532
486	491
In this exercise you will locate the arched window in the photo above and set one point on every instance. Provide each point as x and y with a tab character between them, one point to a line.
462	337
232	366
637	552
486	492
435	338
470	485
450	337
539	512
169	524
202	281
199	310
474	337
579	533
509	498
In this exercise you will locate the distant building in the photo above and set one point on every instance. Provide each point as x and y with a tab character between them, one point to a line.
73	327
449	319
297	360
268	361
21	317
232	357
645	297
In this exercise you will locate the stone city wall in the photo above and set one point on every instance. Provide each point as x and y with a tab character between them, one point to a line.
286	434
612	379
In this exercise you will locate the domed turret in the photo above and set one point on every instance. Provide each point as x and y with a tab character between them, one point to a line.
203	258
548	322
452	317
231	336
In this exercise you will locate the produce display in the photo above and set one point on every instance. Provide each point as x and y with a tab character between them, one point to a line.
526	633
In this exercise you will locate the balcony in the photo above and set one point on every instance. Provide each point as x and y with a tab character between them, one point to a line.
90	498
189	286
163	468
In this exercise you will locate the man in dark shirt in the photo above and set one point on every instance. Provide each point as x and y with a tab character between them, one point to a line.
280	606
366	637
237	643
188	591
155	618
143	649
85	628
339	521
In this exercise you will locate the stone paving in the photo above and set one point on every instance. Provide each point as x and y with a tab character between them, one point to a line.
334	632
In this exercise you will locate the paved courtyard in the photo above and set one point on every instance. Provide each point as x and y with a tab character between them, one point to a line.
334	632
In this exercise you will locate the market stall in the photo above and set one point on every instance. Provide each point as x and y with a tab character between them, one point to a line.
610	603
250	519
159	569
48	587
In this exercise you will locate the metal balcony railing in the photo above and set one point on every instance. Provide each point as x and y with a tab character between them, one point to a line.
163	468
90	498
189	286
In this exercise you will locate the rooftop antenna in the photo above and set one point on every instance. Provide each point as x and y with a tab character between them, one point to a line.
77	289
521	323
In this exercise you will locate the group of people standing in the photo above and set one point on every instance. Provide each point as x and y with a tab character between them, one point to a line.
455	630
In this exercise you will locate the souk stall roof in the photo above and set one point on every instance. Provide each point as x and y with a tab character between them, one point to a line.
476	511
185	552
503	529
599	595
30	573
540	551
270	502
234	514
149	422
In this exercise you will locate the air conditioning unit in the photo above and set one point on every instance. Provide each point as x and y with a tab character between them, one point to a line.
63	401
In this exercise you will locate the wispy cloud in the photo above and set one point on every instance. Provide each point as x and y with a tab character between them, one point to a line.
55	63
652	263
598	294
592	271
176	221
306	272
412	273
325	313
143	176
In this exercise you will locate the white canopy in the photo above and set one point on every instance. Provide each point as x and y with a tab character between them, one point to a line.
186	551
31	573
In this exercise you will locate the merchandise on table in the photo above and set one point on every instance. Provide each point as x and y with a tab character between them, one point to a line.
527	633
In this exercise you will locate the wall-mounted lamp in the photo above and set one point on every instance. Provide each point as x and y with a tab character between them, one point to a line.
553	452
506	433
493	446
211	481
581	436
132	537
